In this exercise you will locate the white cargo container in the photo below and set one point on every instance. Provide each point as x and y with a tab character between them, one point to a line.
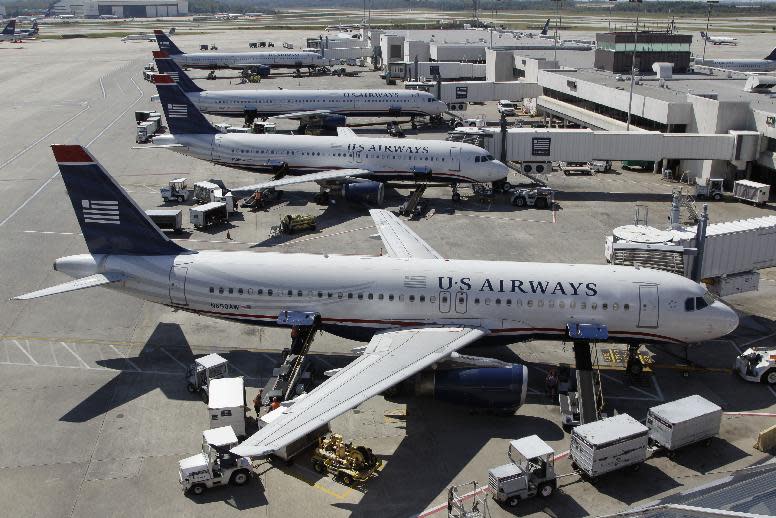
754	192
146	129
208	214
684	421
170	219
226	404
607	445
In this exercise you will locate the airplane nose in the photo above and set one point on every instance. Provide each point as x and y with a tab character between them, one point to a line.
500	170
727	318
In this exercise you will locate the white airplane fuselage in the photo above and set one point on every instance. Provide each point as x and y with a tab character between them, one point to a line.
743	65
386	158
239	60
358	103
358	295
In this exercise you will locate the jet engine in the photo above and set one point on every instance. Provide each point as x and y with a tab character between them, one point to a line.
471	381
365	191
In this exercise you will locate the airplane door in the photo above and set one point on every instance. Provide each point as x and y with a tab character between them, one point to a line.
649	309
455	159
444	302
461	300
178	285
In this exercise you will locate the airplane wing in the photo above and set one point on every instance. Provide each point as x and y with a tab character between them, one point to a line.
390	357
310	114
321	176
79	284
346	132
399	239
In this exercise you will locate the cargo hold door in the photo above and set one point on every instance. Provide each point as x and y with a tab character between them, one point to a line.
649	307
178	285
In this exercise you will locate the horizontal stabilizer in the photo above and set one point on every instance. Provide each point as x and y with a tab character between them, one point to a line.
91	281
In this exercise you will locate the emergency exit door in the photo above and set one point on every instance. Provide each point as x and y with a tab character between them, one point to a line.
649	307
178	285
444	302
461	300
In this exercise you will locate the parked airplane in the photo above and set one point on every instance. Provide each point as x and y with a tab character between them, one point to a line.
9	32
237	60
327	106
719	40
414	307
346	158
25	34
766	64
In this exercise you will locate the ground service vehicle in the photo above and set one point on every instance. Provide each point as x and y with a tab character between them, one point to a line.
208	214
170	219
215	465
682	422
607	445
757	193
203	370
711	189
147	129
539	197
640	164
531	472
298	223
177	190
757	364
347	463
506	108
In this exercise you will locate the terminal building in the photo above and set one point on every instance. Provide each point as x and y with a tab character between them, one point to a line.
614	51
122	8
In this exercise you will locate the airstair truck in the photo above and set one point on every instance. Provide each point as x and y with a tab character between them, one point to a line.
215	465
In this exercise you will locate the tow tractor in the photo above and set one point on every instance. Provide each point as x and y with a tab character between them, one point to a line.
531	472
348	463
205	369
176	190
711	189
757	364
215	465
539	197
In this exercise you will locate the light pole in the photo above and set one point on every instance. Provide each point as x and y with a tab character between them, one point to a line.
610	14
557	21
633	65
709	3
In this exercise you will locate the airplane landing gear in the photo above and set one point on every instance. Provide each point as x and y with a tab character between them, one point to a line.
634	366
413	123
456	195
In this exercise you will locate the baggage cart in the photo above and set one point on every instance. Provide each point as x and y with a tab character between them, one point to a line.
169	219
608	445
226	404
753	192
208	214
682	422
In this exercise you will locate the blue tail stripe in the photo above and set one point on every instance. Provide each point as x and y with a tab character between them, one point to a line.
181	114
110	220
170	67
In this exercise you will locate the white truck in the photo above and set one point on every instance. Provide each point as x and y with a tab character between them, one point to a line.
682	422
757	364
531	472
208	192
147	129
226	404
507	108
208	214
607	445
176	190
753	192
205	369
214	466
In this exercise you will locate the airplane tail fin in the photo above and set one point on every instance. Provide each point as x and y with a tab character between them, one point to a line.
546	27
10	29
35	30
771	56
181	114
166	44
110	220
166	65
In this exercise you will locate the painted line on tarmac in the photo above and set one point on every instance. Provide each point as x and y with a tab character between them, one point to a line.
100	134
755	414
36	142
500	218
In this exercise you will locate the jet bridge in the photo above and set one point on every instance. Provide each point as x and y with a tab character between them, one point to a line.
574	145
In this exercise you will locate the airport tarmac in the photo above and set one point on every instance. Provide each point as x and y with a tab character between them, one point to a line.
97	411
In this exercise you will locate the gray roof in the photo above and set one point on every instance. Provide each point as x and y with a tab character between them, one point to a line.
684	409
610	429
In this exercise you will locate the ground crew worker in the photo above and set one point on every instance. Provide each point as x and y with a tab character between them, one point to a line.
257	402
551	383
275	403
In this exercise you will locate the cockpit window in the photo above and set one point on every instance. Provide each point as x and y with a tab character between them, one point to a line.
689	304
698	303
476	158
